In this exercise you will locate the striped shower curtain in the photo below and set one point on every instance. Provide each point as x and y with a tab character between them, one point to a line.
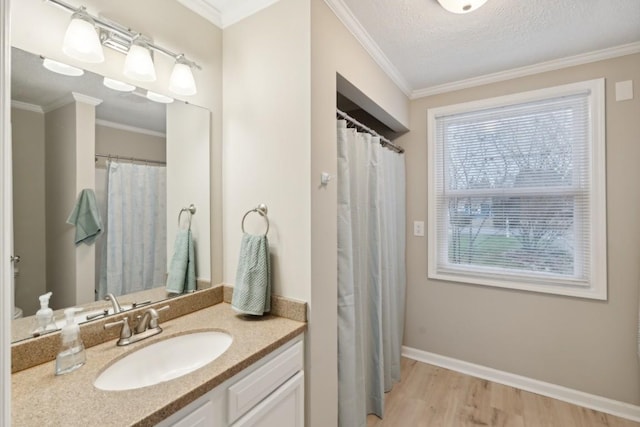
134	253
371	273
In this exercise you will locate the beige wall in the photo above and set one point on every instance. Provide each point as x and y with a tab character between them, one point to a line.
60	187
169	24
581	344
28	207
187	169
267	141
334	50
111	140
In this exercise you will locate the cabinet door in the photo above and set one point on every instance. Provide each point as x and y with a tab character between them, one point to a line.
282	408
204	416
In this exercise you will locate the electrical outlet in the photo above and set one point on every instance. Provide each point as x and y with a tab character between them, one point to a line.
418	228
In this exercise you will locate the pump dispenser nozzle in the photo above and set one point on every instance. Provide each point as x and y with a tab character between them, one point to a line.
44	316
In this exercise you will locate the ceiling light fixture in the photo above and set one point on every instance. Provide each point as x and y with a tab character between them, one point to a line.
81	40
61	68
138	64
182	81
118	85
461	6
83	43
153	96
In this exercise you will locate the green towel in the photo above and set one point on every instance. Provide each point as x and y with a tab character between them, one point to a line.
182	271
252	291
86	218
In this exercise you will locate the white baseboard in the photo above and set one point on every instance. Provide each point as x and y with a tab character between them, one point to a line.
591	401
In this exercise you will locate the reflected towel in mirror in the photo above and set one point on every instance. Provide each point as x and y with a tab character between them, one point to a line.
86	217
182	271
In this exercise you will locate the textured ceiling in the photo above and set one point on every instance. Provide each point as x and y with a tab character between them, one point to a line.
422	46
430	46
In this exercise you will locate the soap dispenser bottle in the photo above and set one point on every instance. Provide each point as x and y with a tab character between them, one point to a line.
44	316
72	354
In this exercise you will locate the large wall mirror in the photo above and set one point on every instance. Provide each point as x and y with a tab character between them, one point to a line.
145	162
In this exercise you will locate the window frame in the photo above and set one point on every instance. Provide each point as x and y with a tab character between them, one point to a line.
596	287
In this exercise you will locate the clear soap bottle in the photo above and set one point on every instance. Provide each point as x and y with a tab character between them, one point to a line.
72	354
44	316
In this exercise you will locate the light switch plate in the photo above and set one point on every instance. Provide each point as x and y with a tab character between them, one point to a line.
624	90
418	228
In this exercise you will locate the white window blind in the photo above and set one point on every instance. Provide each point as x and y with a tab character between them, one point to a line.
513	192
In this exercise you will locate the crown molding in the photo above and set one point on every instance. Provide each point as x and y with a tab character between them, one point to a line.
204	9
27	107
556	64
114	125
345	15
69	98
235	12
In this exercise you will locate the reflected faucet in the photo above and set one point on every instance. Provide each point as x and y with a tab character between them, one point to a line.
114	302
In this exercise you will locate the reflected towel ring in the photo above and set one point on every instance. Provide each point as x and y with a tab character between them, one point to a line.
191	209
262	210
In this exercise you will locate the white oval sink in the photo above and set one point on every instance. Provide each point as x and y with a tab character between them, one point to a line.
164	360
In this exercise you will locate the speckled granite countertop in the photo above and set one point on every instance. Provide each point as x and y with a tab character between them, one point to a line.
39	398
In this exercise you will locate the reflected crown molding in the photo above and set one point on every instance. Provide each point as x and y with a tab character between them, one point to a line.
128	128
27	107
69	98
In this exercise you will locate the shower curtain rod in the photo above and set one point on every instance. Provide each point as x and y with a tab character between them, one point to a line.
383	141
131	159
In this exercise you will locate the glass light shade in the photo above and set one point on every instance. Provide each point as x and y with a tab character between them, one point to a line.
61	68
117	85
81	40
138	64
159	98
182	81
461	6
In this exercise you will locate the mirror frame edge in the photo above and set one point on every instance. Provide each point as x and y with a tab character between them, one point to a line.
5	215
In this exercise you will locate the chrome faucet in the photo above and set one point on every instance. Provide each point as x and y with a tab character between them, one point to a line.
114	302
146	327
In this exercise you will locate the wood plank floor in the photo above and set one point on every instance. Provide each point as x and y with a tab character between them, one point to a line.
429	396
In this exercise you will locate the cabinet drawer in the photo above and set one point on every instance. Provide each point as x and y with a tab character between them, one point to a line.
201	417
246	393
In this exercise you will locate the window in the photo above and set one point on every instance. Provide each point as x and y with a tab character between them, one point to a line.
517	191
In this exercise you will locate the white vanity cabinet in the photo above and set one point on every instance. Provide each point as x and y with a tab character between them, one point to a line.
268	393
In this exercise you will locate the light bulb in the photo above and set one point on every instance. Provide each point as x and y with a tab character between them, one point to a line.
138	64
461	6
81	40
181	80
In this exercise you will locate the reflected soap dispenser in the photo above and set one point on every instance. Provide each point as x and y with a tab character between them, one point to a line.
72	354
44	316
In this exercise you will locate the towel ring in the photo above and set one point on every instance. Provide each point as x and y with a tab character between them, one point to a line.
262	210
191	209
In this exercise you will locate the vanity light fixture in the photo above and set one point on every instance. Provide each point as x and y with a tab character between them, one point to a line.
138	64
61	68
153	96
461	6
118	85
81	40
181	80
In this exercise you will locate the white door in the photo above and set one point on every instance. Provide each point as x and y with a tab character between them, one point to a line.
282	408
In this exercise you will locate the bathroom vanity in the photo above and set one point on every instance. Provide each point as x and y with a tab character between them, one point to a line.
257	381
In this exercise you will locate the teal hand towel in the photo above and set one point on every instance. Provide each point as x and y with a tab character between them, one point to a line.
182	270
86	218
252	291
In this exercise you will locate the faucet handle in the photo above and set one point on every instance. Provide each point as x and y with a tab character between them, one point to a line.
125	332
153	323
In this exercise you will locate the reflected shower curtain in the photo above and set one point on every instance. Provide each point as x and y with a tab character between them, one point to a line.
371	273
134	256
